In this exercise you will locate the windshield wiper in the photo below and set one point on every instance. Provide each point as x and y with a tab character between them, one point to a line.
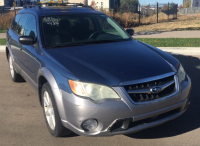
104	41
85	43
64	45
99	42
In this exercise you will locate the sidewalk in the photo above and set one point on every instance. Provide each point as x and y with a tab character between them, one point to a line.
169	34
2	35
188	51
2	48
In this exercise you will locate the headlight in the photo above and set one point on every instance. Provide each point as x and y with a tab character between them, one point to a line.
181	74
93	91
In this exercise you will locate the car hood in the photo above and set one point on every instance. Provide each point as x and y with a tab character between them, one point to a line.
113	63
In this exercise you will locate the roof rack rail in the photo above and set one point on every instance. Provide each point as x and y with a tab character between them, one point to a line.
32	6
39	5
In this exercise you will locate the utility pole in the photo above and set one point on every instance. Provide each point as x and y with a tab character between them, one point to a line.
157	12
168	11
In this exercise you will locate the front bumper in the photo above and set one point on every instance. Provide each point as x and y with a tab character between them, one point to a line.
109	112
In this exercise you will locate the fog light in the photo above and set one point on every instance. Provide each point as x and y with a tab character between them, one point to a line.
89	124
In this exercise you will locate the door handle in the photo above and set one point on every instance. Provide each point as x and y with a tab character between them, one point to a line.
20	47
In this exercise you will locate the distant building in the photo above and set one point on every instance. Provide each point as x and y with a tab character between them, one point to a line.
193	3
106	4
190	2
5	3
77	1
196	3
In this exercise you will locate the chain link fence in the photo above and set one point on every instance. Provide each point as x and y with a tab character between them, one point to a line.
127	16
134	15
5	10
189	11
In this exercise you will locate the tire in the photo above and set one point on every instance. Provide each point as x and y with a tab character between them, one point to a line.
52	118
14	75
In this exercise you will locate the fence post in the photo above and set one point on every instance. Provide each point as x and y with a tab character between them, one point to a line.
139	14
15	11
114	13
177	11
157	12
168	11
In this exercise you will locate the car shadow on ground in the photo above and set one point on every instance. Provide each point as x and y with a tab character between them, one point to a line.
190	120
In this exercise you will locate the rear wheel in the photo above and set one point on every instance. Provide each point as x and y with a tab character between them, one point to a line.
14	75
52	118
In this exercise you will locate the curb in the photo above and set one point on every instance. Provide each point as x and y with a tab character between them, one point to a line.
172	50
181	50
2	48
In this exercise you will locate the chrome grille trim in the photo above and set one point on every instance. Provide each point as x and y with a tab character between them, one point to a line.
148	90
156	100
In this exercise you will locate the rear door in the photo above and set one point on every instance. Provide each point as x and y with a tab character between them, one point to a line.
13	38
16	47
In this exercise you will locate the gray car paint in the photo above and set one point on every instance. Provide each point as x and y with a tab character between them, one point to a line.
73	109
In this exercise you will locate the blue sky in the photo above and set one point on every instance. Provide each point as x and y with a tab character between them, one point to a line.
180	2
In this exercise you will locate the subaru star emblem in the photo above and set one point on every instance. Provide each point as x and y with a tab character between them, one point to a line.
155	89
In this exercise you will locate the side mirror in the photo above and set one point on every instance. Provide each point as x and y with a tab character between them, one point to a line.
26	40
130	31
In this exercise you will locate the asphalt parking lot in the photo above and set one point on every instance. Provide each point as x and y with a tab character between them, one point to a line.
22	121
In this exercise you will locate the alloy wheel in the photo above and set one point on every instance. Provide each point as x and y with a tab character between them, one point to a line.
49	111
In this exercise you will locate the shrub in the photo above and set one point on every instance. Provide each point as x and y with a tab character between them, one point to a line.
6	20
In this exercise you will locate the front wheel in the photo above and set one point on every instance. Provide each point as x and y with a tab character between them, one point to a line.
52	118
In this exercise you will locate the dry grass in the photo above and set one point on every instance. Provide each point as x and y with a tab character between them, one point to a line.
162	17
128	20
185	22
132	19
182	23
6	20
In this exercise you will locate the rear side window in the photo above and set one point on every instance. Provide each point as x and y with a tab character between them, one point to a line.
30	28
15	21
21	25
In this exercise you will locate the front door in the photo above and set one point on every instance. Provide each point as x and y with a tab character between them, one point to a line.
29	52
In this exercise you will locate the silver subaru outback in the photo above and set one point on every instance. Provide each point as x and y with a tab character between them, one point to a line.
91	76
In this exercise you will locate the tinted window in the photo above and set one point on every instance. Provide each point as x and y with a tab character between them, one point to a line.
21	25
108	26
71	30
30	28
15	21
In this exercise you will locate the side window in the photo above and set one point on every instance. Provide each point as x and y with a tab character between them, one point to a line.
30	28
15	21
21	25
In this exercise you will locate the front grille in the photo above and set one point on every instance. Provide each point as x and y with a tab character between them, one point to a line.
142	92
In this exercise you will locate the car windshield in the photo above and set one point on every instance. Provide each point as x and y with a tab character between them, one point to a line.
74	30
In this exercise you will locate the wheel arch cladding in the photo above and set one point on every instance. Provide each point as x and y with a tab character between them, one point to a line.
46	76
7	52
